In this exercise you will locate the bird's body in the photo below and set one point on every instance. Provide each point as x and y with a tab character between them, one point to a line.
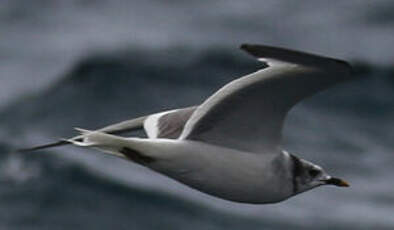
229	146
223	172
237	177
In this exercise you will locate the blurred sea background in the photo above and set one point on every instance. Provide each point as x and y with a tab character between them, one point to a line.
90	63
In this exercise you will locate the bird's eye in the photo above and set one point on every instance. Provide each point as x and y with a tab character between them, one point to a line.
314	172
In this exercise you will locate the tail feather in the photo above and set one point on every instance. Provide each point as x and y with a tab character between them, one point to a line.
102	141
130	148
89	138
80	143
83	131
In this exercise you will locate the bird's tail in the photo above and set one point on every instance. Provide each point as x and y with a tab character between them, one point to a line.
119	128
99	140
132	148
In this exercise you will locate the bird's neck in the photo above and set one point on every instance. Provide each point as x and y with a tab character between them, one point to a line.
284	162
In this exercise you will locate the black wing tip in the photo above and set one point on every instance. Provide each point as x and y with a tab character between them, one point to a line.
294	56
248	45
250	48
345	64
260	50
41	147
244	46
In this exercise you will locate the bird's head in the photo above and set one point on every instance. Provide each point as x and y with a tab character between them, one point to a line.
307	175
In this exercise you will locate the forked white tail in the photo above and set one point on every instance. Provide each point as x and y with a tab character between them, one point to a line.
95	139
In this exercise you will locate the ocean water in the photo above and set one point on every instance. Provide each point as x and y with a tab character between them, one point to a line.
89	63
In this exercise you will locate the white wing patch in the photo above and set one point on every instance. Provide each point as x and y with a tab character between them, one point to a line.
168	124
151	124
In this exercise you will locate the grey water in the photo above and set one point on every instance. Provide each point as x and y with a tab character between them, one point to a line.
89	63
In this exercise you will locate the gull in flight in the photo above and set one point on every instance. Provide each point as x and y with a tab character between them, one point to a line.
230	145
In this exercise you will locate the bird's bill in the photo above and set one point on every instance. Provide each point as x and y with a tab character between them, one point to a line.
337	182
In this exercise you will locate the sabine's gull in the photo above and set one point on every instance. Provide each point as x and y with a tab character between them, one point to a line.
230	145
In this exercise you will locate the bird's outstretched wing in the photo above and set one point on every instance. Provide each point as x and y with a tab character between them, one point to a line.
248	113
168	124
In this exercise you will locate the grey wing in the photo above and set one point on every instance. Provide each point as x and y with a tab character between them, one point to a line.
248	113
170	125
